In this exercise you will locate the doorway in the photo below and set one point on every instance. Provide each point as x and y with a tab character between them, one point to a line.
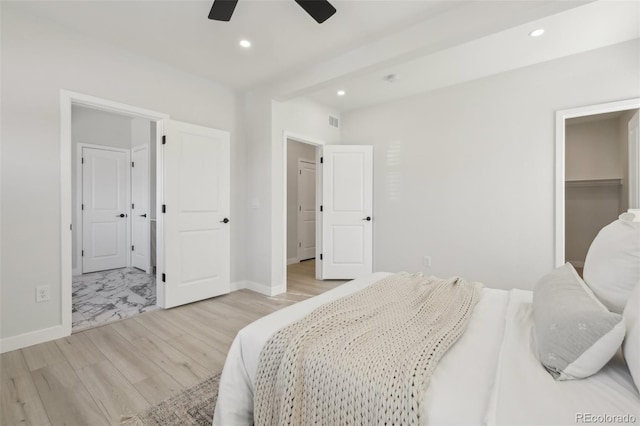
596	173
113	270
302	181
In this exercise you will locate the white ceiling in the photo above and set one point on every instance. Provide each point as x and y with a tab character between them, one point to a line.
428	43
587	27
284	37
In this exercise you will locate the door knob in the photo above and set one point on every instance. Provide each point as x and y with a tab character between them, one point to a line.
368	218
225	220
120	215
143	215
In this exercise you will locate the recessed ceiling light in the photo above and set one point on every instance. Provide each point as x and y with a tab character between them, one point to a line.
341	92
245	43
537	33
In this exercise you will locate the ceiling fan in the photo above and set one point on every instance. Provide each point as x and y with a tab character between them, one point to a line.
320	10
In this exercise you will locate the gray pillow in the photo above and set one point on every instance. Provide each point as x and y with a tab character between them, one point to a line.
575	334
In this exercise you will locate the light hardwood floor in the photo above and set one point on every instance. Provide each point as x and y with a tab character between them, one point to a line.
95	376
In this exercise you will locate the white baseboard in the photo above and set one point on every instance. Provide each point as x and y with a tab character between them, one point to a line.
577	263
32	338
282	288
258	288
293	260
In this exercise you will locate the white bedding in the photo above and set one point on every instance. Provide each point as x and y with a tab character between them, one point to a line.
525	394
462	390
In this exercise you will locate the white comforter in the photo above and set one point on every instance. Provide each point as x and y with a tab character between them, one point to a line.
489	376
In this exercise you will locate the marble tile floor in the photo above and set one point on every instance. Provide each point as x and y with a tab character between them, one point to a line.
107	296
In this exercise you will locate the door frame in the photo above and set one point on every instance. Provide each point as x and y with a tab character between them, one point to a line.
318	144
67	100
299	221
561	117
149	267
79	195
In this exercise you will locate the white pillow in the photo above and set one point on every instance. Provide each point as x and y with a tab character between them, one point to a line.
612	266
631	345
575	334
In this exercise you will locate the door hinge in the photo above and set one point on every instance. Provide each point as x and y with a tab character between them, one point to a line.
321	160
300	171
70	227
164	208
82	254
82	207
132	248
320	208
164	139
82	160
320	256
132	164
300	208
164	278
132	206
299	244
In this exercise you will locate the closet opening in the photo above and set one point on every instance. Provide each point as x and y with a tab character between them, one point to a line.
598	174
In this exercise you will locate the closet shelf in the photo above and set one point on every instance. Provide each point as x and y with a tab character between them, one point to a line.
593	182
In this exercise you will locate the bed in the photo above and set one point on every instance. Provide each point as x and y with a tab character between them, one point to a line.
491	375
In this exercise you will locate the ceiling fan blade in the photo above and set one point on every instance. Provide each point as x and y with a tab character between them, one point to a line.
320	10
221	10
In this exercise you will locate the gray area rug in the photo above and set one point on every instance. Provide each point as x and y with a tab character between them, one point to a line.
193	406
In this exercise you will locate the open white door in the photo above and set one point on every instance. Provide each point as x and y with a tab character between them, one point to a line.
104	209
306	210
140	242
347	214
634	162
196	208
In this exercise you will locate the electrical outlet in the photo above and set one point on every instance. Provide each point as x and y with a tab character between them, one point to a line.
43	293
426	261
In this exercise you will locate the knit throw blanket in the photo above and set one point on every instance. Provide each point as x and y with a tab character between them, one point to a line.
366	358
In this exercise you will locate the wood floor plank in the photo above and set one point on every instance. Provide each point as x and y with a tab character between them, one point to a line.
130	330
42	355
158	388
65	398
13	364
124	356
191	324
203	353
21	404
111	391
79	350
176	364
159	325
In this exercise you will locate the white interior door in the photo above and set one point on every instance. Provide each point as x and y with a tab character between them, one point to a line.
104	209
347	198
140	213
306	210
634	162
196	213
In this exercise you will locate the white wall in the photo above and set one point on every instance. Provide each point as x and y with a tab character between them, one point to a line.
38	59
466	174
295	151
592	150
98	128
